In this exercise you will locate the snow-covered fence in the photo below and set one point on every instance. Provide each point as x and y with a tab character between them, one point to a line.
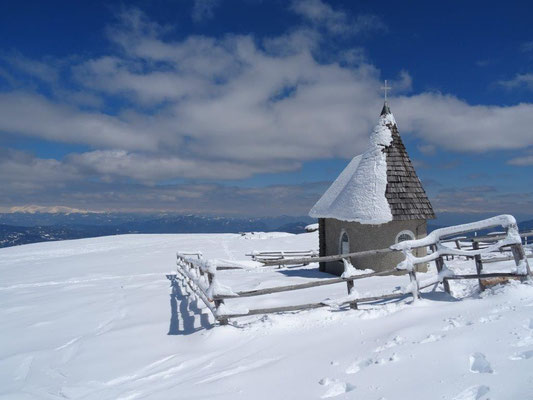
510	239
352	299
200	276
480	242
272	256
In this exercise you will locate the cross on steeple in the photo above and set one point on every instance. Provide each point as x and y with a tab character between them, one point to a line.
385	88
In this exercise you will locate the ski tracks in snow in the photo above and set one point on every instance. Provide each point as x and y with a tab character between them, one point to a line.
238	369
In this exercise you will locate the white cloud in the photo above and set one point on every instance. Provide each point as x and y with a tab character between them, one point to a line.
231	107
482	200
524	160
452	124
44	183
526	47
22	173
204	10
149	168
519	81
334	21
427	149
404	83
44	71
34	115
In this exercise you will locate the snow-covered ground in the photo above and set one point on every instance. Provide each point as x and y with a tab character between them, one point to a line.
95	319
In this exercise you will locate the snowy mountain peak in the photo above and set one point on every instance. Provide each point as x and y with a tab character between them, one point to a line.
33	209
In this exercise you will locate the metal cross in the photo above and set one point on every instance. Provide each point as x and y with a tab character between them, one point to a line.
385	88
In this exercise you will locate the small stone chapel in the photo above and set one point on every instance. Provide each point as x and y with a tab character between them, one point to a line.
378	200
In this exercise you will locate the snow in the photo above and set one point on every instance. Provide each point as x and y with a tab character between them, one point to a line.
263	235
323	205
351	271
96	319
311	228
358	194
218	289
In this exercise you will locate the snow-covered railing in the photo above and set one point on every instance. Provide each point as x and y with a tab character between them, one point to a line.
479	242
495	236
352	299
287	255
200	275
510	239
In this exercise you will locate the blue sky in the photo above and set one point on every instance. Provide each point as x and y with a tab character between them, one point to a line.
253	107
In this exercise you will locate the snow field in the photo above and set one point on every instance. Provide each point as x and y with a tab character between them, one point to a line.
89	319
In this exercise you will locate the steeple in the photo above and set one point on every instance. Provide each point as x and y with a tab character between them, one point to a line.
385	110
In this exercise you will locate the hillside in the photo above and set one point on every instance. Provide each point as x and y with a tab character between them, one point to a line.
95	319
25	228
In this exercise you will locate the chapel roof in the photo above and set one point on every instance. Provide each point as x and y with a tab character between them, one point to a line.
378	186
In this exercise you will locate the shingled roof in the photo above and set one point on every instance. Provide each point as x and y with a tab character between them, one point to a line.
405	194
378	186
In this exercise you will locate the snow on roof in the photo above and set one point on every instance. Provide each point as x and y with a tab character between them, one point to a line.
358	194
379	185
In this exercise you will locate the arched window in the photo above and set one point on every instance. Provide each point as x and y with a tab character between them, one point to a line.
405	235
344	246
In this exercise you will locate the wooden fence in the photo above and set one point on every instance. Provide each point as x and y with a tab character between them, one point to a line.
271	256
201	275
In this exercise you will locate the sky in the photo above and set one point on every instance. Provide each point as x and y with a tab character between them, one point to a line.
252	108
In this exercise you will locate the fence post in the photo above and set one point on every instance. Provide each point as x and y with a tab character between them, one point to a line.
349	282
520	256
350	285
222	320
414	282
479	263
439	262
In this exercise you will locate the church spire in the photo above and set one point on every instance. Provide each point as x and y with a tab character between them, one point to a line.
385	110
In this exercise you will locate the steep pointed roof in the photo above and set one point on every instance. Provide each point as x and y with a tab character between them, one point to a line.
385	110
379	185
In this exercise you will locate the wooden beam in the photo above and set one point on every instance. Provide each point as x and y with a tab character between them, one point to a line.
487	275
495	238
479	263
497	259
322	282
311	306
329	258
278	253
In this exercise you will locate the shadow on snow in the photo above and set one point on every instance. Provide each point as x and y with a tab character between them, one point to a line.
184	312
306	273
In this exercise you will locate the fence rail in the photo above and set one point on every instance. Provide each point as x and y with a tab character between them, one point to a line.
272	256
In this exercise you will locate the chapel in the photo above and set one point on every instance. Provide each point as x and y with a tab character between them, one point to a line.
376	201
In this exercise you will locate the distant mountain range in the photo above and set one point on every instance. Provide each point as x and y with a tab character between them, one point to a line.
23	228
